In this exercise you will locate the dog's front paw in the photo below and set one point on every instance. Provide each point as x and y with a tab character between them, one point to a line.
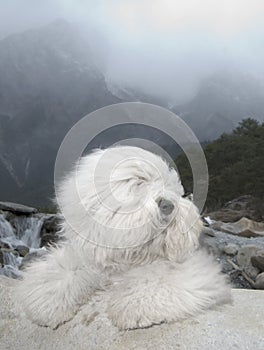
45	309
45	296
129	312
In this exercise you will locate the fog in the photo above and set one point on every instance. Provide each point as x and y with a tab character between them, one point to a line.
164	47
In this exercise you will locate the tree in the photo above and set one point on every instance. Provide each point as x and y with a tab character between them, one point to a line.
235	163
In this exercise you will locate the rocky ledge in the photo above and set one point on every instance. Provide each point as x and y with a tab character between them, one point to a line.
235	326
16	208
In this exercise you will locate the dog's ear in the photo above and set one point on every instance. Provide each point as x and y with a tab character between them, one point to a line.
183	234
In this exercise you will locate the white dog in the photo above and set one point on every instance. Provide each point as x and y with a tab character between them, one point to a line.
128	231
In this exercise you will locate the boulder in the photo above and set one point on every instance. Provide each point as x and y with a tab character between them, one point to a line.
244	206
1	258
227	215
17	208
258	260
49	231
260	281
240	203
22	250
245	254
236	326
244	228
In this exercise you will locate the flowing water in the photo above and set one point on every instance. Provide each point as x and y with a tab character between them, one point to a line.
20	230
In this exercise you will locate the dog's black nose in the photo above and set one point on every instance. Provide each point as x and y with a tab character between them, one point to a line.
166	206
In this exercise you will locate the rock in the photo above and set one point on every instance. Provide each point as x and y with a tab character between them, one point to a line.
236	326
208	231
22	250
244	228
48	239
258	260
5	245
244	206
231	249
17	208
245	254
227	215
1	258
251	271
49	232
240	203
260	281
226	267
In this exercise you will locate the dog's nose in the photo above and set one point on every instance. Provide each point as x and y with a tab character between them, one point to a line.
166	206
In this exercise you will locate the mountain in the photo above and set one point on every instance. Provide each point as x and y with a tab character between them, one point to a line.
221	102
49	80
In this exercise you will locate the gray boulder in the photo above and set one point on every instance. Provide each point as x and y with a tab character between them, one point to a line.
260	281
258	260
17	208
243	228
245	254
244	206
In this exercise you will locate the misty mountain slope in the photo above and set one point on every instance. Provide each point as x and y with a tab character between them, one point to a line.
48	81
221	102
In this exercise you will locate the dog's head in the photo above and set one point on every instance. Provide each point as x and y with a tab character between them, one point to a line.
127	197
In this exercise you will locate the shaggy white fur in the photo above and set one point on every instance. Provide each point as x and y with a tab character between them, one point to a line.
128	231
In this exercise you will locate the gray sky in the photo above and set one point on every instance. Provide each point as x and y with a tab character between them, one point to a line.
162	46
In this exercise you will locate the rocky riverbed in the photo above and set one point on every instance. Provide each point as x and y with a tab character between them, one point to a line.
238	245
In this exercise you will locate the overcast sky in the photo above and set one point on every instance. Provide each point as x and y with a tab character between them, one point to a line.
163	46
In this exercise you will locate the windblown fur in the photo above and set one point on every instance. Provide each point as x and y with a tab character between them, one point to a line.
128	231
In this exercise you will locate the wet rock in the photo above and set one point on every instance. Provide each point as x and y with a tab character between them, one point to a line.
17	208
260	281
1	258
5	245
49	232
22	250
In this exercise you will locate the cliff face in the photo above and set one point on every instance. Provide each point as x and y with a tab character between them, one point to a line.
49	80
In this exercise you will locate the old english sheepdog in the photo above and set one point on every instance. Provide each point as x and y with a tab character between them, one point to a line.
130	232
